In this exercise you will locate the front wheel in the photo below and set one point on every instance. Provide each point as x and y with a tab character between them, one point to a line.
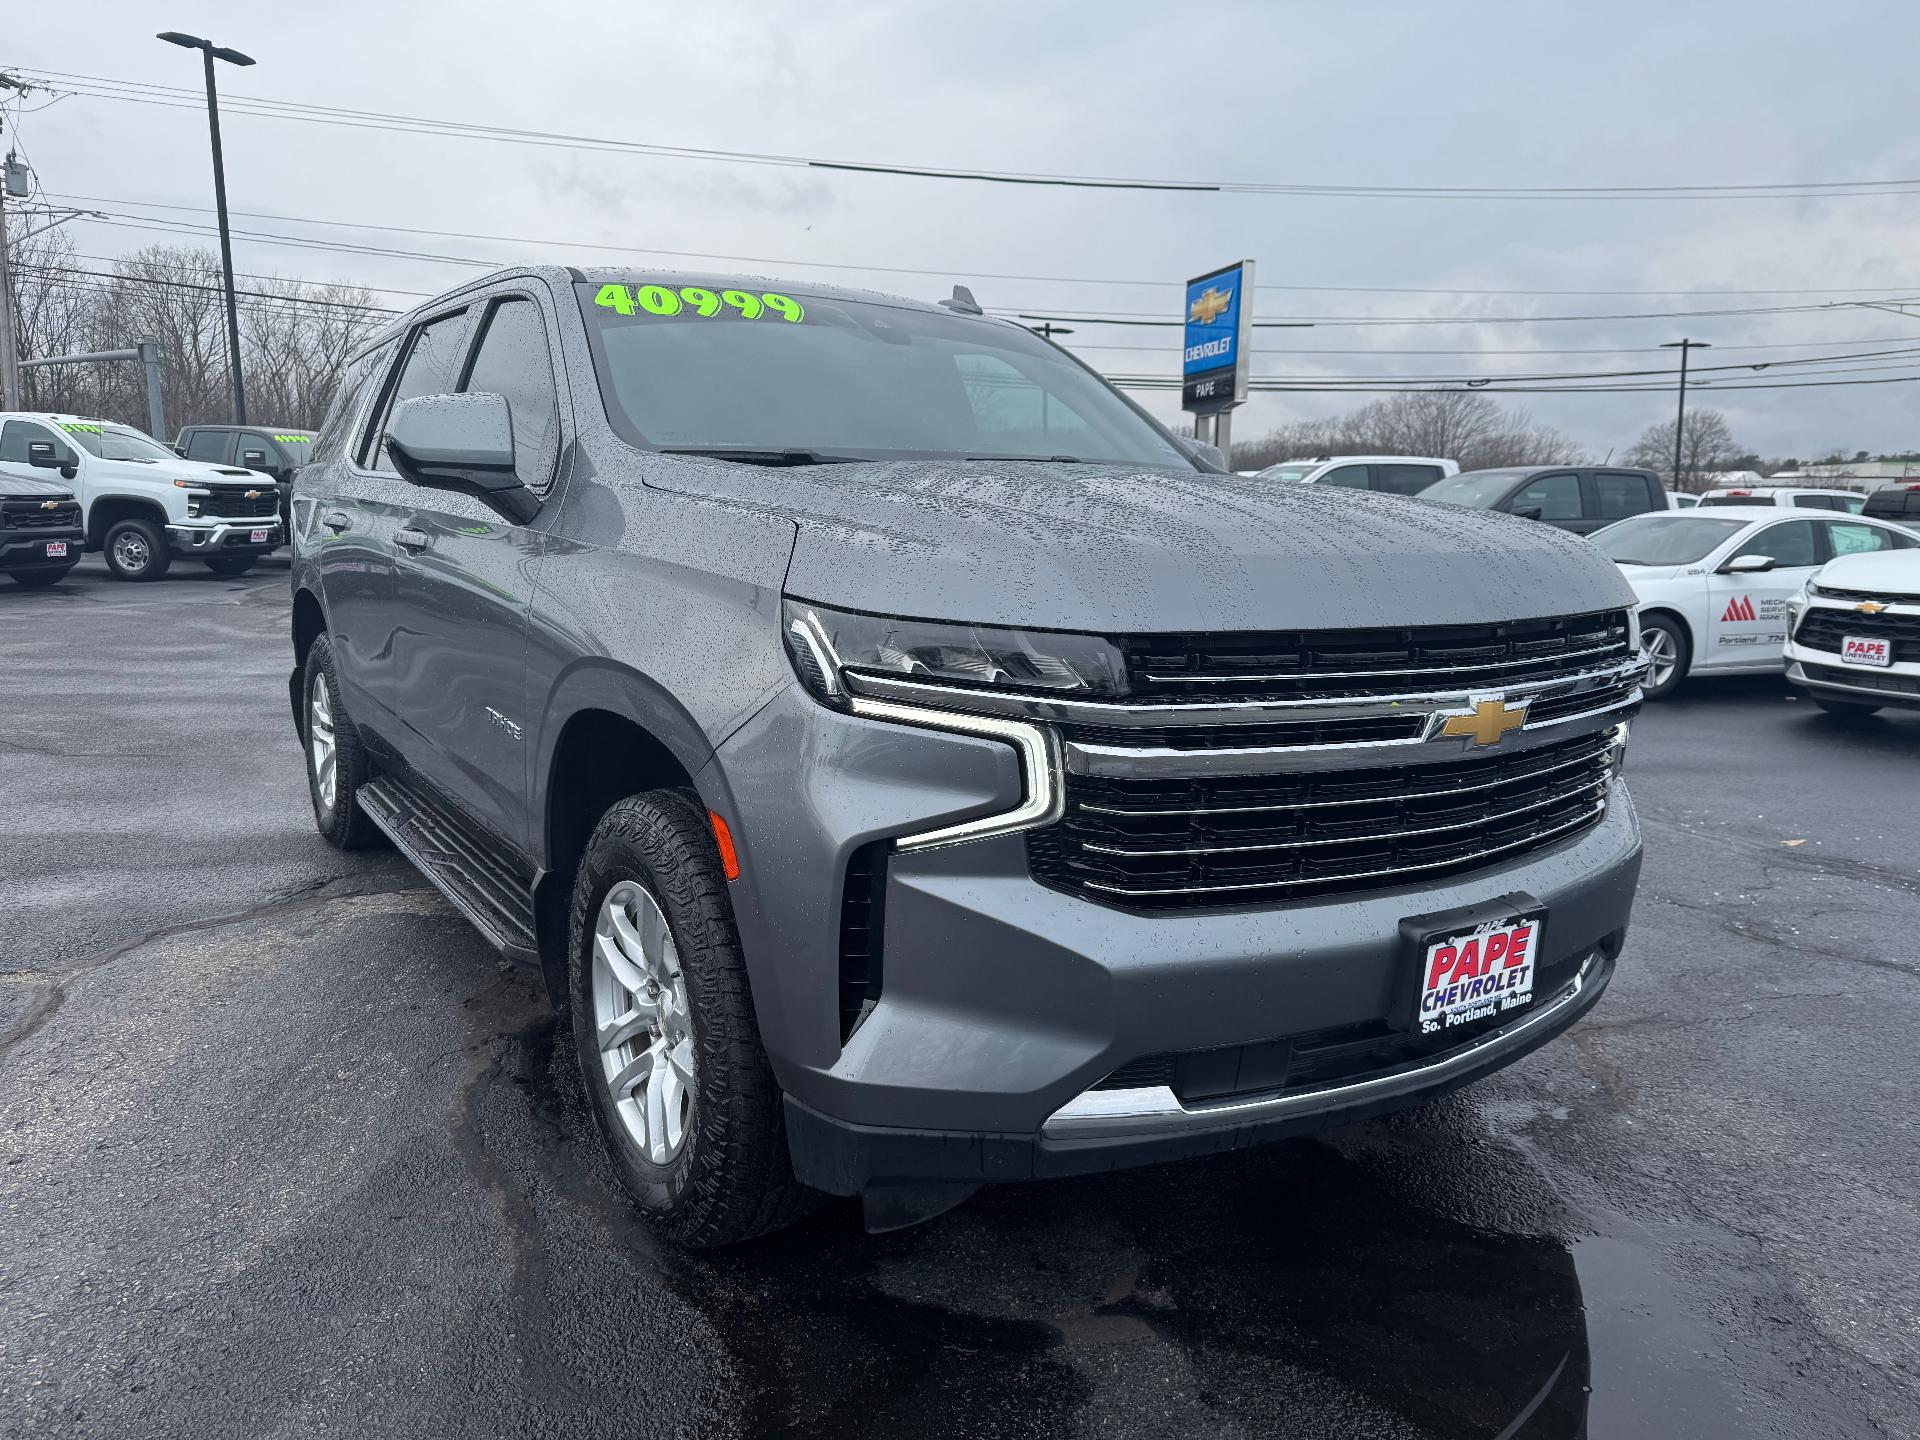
664	1027
230	564
1845	709
1668	653
40	579
137	550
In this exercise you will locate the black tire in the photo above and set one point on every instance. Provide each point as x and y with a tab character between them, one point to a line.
231	564
1676	635
731	1179
137	550
341	822
1845	709
41	579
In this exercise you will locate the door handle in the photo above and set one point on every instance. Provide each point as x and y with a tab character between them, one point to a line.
336	521
411	540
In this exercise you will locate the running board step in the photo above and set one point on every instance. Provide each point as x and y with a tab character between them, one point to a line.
461	863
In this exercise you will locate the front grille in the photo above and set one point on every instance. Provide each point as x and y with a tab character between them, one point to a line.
1237	840
1253	665
1823	629
231	503
33	515
1864	679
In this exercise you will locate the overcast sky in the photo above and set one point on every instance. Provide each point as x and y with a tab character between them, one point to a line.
1482	94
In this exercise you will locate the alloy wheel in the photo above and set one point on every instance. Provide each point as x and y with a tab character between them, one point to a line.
320	742
1664	656
641	1021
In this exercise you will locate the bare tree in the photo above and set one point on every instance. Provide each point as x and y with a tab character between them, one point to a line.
1446	424
1706	448
294	336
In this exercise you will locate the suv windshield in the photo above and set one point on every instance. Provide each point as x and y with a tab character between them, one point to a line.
1482	489
811	377
1666	539
115	442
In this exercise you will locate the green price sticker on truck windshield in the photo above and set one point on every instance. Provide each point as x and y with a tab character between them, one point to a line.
699	301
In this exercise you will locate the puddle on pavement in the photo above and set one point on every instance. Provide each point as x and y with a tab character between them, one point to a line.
1406	1279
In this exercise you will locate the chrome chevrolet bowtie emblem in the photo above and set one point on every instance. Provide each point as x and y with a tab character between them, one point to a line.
253	494
1870	607
49	504
1487	723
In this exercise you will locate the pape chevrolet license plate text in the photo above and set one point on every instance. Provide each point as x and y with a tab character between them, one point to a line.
1478	973
1859	650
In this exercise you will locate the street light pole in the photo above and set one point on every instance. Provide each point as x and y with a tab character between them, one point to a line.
1680	421
209	52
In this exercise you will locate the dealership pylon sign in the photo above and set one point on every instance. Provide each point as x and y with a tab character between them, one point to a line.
1218	348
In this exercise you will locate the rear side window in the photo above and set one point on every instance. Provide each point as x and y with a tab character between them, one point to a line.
1404	479
1350	477
427	370
1620	495
213	446
1556	497
1791	545
513	362
1852	538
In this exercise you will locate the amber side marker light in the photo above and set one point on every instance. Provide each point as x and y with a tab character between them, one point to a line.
723	837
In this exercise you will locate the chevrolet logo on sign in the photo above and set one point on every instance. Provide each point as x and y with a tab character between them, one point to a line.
1208	306
1869	607
1487	723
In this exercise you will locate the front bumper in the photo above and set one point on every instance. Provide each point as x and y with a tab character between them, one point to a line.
27	550
1002	1002
1820	672
226	537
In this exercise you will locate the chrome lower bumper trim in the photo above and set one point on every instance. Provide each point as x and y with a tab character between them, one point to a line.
1152	1110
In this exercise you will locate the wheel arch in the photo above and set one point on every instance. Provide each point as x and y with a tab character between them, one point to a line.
608	733
106	511
309	624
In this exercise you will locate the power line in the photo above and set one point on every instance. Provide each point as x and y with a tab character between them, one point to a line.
142	92
949	271
1172	382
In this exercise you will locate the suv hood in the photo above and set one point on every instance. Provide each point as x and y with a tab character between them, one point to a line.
1120	548
1892	572
39	489
165	471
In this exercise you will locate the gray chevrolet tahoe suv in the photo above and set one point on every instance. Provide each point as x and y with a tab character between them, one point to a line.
911	767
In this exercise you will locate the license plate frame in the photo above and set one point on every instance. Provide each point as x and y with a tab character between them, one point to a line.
56	549
1873	651
1503	998
259	537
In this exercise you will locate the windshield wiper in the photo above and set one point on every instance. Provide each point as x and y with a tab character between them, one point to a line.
749	456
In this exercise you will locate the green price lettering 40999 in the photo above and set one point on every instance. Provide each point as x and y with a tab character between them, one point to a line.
662	300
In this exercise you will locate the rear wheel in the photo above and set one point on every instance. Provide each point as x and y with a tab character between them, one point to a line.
137	550
337	764
664	1027
1668	655
230	564
1845	709
40	579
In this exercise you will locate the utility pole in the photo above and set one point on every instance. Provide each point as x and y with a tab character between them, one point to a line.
1680	423
209	52
15	176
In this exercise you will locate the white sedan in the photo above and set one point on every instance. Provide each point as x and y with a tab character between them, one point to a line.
1855	646
1713	584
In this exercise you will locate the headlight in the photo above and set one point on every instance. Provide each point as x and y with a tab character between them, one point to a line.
829	645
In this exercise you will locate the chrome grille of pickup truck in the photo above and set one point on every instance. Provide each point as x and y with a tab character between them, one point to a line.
34	515
1276	768
231	502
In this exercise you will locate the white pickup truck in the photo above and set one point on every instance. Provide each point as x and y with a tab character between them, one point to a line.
142	504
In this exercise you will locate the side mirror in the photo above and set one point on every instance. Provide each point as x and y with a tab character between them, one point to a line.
180	449
1528	512
253	459
1201	450
1747	565
42	456
462	443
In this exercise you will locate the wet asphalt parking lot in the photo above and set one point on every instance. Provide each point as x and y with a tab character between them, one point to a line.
285	1150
